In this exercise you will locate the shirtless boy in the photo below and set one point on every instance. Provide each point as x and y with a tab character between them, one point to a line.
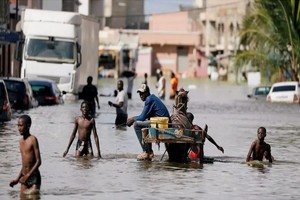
29	176
259	149
84	124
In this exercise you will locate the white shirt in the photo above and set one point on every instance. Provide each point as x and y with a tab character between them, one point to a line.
122	97
161	86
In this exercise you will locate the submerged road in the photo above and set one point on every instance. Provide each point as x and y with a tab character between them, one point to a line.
232	120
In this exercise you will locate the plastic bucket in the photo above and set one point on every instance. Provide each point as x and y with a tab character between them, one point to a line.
159	122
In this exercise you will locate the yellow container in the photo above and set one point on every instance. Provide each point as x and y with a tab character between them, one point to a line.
159	122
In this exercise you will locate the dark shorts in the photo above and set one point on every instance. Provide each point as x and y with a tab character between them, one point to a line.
121	118
34	179
84	147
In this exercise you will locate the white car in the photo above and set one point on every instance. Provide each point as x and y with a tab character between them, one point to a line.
259	92
288	92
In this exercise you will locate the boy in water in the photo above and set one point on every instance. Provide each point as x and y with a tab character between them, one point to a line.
259	149
195	150
85	124
29	176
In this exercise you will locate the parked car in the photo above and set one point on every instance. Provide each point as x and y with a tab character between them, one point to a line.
46	92
259	92
20	93
288	92
5	109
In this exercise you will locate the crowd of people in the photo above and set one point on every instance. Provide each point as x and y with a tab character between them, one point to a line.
29	176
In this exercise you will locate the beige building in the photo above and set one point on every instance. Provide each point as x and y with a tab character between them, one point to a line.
174	43
220	23
123	14
188	41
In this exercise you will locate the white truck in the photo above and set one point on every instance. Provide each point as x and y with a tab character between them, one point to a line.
61	46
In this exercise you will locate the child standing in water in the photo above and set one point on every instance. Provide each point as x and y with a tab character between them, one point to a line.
84	124
195	150
29	176
259	149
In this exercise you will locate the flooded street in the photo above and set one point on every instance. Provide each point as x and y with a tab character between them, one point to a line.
232	120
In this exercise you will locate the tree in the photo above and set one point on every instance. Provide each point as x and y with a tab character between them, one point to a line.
271	33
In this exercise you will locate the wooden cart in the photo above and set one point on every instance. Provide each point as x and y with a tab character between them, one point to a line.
174	135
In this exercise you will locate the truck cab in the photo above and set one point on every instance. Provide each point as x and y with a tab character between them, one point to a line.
53	46
52	58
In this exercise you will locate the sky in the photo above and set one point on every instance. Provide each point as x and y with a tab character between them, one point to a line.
163	6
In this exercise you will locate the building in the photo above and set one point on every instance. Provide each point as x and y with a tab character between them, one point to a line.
118	51
170	44
193	42
174	41
126	14
198	40
220	23
87	7
5	47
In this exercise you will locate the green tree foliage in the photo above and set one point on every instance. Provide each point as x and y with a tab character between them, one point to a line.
271	36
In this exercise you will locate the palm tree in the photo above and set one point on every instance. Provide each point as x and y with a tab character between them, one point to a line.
271	32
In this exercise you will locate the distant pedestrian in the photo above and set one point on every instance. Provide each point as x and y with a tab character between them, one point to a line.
174	85
161	86
145	79
130	80
90	94
29	176
120	105
157	74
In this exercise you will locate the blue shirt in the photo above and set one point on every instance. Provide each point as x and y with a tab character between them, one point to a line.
154	107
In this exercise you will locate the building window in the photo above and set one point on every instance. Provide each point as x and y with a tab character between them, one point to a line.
199	62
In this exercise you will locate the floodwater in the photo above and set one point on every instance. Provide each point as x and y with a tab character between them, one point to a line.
232	120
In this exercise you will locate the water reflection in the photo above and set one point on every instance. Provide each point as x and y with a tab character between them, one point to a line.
85	162
168	166
5	128
18	195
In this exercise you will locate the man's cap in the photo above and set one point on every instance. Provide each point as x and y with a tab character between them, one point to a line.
143	88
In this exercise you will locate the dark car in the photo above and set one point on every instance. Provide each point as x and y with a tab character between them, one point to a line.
5	109
20	93
46	92
259	92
